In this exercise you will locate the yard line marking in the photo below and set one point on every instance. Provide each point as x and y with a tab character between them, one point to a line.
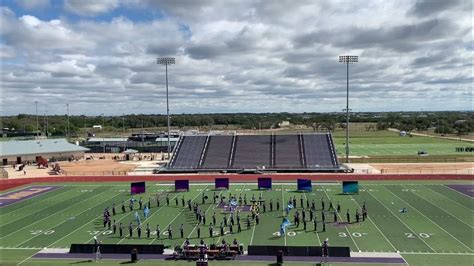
92	220
319	240
446	211
47	217
124	216
408	227
26	259
66	220
36	211
370	219
208	208
349	233
228	219
164	228
253	232
16	210
147	219
411	206
449	198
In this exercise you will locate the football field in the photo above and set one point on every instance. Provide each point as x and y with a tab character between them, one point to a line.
437	226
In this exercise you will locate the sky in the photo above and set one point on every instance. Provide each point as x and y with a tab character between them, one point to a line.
234	56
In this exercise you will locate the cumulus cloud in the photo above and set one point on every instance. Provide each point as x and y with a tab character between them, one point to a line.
237	56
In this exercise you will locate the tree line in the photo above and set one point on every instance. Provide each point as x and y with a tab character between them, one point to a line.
443	122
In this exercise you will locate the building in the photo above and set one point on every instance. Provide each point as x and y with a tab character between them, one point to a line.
21	151
284	123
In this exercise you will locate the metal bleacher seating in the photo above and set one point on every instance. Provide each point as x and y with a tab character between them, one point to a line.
318	152
287	152
252	152
218	152
302	152
189	152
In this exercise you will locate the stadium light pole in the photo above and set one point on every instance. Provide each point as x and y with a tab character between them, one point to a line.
37	122
123	129
167	61
347	59
103	136
67	111
47	123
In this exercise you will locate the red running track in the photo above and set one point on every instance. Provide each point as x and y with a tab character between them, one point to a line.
12	183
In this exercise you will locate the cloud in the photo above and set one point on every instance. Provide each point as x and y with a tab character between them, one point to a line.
235	56
33	4
430	7
90	7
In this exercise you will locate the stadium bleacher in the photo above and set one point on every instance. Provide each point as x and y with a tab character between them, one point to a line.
281	153
287	151
252	152
189	153
218	152
318	151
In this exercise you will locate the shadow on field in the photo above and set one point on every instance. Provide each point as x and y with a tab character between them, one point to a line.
82	261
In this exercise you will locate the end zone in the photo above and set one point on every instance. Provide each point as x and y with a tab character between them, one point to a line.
23	194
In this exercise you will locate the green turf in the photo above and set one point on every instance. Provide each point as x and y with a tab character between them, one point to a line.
388	143
439	220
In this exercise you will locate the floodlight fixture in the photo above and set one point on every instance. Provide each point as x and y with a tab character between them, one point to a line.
349	59
166	60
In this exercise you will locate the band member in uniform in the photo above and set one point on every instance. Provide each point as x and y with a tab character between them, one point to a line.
114	227
325	249
331	207
170	232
